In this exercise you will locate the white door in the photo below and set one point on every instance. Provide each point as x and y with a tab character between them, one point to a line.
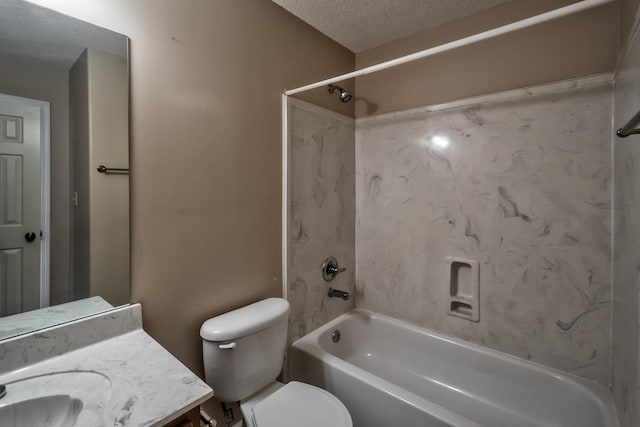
19	207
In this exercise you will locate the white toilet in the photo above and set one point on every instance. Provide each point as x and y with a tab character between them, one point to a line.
243	354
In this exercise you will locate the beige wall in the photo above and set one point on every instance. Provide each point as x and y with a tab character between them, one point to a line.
79	131
46	83
109	194
99	132
206	82
578	45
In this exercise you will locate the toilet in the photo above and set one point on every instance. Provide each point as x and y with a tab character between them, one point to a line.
243	353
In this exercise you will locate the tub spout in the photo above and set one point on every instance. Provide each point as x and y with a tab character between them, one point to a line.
335	293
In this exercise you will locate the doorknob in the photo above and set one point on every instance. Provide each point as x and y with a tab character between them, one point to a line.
30	237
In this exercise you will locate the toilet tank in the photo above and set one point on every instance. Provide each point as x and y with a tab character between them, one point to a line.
243	350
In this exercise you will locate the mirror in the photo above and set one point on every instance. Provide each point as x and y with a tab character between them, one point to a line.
64	159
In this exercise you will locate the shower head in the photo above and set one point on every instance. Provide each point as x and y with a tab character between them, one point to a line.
344	95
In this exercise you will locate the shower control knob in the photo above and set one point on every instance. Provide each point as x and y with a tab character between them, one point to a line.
330	269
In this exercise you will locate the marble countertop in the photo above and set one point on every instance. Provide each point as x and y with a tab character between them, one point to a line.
21	323
148	385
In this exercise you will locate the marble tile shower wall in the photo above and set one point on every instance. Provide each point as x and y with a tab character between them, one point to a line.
321	213
625	378
521	185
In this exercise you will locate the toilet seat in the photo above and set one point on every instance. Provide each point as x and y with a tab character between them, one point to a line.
297	404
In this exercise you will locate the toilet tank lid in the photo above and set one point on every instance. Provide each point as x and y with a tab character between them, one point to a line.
245	321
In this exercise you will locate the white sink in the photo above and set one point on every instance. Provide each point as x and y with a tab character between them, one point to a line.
61	399
50	411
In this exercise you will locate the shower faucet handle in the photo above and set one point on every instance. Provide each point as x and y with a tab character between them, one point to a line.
335	270
330	269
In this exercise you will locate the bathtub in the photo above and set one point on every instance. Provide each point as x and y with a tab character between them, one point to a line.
389	373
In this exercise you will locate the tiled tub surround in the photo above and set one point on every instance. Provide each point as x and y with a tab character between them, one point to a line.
518	181
148	386
321	213
625	361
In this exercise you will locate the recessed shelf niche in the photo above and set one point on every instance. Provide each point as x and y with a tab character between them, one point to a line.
462	287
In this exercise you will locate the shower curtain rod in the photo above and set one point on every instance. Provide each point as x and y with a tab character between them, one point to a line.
518	25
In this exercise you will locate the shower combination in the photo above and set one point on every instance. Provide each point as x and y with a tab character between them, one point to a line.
344	95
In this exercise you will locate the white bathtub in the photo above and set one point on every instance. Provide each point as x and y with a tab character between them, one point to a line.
392	374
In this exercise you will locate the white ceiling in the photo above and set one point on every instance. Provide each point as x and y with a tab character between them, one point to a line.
34	33
363	24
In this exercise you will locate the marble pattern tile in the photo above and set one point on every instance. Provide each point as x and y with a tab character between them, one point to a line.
625	369
321	217
520	184
51	342
21	323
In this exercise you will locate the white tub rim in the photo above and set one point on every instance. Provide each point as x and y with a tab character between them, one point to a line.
310	344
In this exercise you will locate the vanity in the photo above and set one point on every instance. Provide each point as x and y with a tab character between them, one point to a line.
102	370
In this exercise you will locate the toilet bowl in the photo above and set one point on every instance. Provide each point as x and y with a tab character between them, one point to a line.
294	404
243	354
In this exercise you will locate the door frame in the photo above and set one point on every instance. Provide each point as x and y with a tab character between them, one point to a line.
45	191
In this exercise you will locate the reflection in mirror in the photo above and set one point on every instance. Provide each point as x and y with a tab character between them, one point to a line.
64	225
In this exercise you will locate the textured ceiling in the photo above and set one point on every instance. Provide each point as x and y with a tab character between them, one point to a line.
362	24
33	33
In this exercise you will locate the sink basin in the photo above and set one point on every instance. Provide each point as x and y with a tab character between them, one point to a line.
50	411
61	399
